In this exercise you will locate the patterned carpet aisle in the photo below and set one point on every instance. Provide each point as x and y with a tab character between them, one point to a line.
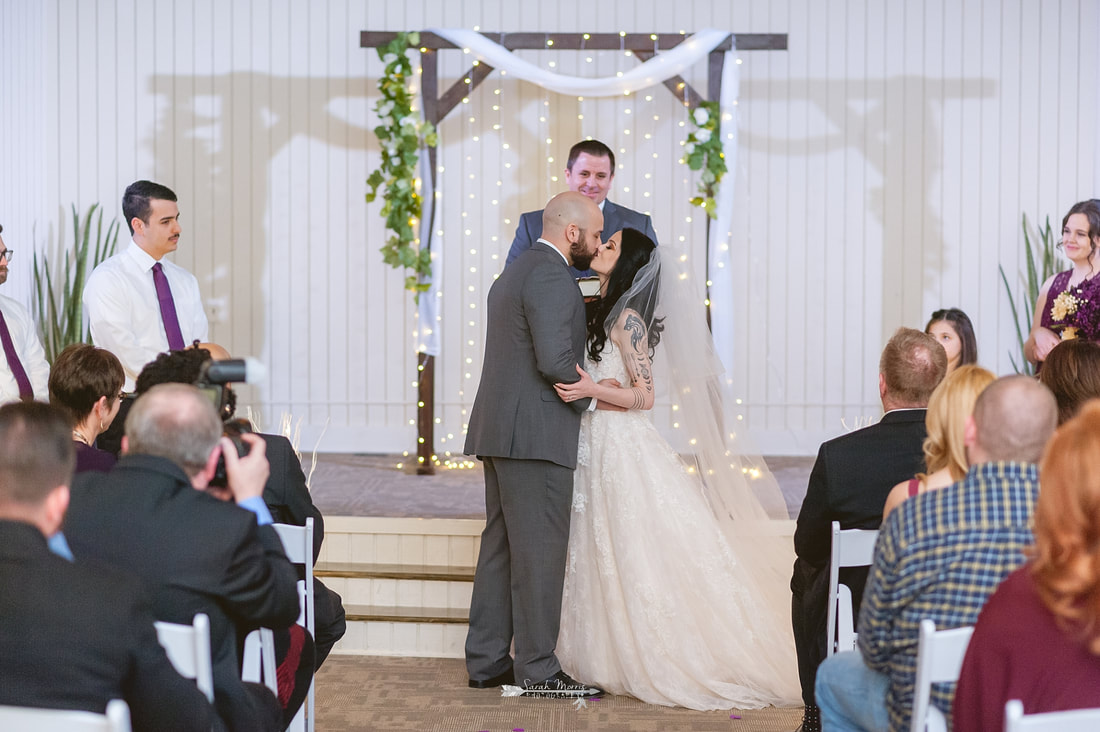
383	694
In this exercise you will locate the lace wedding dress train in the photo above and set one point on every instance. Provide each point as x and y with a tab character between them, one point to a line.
662	601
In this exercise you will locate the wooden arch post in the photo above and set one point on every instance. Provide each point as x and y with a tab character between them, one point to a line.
436	108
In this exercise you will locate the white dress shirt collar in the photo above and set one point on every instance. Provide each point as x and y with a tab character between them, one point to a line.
143	258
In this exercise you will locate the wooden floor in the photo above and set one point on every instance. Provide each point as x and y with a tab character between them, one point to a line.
380	693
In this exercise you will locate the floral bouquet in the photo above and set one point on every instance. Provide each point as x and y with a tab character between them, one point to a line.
1076	312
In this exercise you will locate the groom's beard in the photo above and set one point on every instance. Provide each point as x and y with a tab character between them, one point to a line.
582	258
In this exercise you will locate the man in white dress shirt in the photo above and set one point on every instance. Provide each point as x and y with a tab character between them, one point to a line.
123	303
25	348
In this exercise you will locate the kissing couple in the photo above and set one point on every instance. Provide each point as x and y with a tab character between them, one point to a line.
607	555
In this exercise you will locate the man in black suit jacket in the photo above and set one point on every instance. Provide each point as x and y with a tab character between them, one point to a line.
285	493
155	516
589	170
527	438
849	483
73	636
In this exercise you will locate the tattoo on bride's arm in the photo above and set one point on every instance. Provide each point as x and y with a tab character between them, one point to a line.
638	366
635	328
639	398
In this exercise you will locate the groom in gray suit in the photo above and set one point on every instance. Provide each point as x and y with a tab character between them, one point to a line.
527	439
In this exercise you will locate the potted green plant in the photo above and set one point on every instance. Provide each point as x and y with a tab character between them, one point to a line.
1040	263
59	281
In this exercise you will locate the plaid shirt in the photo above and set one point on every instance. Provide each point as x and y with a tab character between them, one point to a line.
940	555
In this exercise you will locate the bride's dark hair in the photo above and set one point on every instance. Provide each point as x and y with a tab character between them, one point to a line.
635	250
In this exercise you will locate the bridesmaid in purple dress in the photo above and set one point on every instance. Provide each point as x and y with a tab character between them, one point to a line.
1069	302
86	382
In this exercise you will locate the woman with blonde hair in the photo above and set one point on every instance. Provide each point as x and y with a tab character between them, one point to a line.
1038	636
944	452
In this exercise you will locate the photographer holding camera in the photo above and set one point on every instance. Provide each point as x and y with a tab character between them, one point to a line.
154	516
285	493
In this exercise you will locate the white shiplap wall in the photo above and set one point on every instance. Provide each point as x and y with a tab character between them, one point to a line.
885	161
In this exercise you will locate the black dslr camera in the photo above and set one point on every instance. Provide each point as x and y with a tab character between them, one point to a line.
214	380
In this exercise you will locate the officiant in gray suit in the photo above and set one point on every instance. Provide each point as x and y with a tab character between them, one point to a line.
526	437
590	169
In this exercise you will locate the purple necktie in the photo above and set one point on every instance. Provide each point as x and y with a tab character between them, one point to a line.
167	309
26	393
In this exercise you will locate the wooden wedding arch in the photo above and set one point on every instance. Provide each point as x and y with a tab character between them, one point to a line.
437	106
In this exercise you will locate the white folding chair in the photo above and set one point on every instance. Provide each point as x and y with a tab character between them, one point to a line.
939	659
188	648
850	548
1072	720
116	719
259	645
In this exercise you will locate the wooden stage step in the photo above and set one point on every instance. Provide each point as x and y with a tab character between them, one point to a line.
374	570
406	583
389	614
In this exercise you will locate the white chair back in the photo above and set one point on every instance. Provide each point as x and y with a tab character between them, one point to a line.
259	645
939	659
116	719
298	544
188	648
1074	720
850	548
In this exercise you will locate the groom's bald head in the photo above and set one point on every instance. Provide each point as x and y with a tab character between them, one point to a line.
572	223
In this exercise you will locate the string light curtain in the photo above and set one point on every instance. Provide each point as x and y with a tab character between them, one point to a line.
650	73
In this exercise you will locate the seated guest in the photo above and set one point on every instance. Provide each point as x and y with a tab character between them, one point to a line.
944	452
73	636
1072	372
196	547
952	329
1055	598
285	493
86	383
849	483
939	556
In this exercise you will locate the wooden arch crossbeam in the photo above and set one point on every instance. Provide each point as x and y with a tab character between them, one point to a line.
643	45
436	107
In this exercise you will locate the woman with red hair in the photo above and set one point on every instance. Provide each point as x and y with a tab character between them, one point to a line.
1038	636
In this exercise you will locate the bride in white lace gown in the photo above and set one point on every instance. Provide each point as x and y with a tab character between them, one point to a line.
676	579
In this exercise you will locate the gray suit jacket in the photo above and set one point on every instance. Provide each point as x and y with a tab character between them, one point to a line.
534	339
615	217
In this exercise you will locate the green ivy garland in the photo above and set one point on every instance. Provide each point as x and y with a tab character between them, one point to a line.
401	133
703	151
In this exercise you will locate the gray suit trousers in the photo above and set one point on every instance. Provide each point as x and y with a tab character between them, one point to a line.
520	569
